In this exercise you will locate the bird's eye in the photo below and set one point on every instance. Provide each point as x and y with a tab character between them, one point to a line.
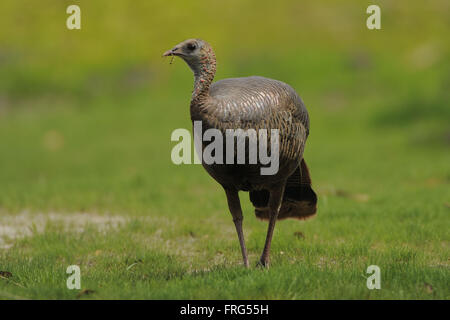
191	46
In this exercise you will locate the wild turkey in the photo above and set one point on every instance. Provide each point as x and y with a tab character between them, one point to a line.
253	103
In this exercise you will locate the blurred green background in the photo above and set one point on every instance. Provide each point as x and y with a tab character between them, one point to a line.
86	115
101	101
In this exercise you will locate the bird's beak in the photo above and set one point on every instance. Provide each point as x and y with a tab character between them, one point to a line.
167	53
171	52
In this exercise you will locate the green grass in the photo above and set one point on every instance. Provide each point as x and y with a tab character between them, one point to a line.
383	200
90	133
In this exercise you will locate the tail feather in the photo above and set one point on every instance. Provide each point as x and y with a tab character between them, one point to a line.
299	199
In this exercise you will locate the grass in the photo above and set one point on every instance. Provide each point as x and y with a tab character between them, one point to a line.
76	154
381	203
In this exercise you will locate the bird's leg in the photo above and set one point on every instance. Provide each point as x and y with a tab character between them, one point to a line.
276	196
234	204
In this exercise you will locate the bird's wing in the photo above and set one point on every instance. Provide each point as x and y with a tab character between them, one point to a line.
256	100
260	103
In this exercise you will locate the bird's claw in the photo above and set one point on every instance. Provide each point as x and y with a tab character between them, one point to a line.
263	264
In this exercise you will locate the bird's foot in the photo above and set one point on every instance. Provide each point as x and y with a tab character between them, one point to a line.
263	263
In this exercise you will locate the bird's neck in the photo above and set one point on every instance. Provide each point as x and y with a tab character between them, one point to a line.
204	72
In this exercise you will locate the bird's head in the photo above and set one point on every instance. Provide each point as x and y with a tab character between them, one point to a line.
196	52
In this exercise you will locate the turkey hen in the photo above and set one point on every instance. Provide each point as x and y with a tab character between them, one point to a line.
259	104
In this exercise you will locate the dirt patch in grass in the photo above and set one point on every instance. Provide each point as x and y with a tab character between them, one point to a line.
26	224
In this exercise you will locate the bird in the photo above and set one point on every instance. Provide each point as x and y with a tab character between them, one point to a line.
256	103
